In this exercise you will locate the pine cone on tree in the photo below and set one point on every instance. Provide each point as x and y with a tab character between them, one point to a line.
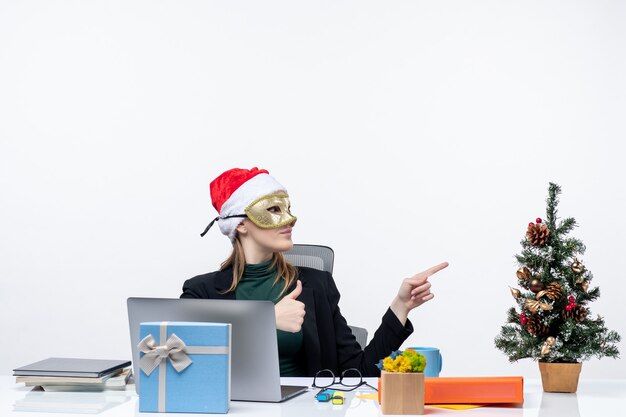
554	291
577	313
536	326
537	234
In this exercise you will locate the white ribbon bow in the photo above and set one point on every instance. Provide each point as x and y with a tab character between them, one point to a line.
174	349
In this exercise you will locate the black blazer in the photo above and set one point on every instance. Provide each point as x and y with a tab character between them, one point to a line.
328	342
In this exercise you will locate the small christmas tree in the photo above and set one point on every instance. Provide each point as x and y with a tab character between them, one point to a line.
553	322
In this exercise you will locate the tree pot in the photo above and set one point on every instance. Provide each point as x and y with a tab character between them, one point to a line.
559	377
402	393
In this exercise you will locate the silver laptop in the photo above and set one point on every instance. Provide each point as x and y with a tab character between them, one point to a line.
255	371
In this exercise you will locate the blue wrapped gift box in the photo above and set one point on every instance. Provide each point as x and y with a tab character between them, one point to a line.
185	367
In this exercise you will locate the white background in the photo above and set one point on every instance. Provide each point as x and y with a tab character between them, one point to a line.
407	133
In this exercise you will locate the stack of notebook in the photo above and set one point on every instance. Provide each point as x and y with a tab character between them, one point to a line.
75	374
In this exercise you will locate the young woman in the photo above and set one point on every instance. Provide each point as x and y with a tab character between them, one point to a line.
254	212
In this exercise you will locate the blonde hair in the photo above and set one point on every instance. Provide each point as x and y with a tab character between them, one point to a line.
237	259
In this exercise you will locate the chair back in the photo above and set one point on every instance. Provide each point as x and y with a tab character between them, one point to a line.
361	335
313	256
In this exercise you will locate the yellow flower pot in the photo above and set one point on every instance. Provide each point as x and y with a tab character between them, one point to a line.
402	393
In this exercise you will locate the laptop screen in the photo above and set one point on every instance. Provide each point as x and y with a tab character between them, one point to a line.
255	372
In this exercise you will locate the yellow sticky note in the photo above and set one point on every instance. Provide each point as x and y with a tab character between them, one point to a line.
374	396
370	396
456	406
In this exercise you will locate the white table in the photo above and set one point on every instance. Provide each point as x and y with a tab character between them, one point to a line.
595	398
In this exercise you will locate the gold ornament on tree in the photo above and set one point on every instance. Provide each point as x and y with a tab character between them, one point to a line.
523	274
577	266
584	284
545	349
553	291
536	285
533	306
515	292
537	234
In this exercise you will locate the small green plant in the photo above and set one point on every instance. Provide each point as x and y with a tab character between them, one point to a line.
403	361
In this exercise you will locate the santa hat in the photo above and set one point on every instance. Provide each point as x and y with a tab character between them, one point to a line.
233	191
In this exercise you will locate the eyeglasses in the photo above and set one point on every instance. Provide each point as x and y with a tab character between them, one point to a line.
350	378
